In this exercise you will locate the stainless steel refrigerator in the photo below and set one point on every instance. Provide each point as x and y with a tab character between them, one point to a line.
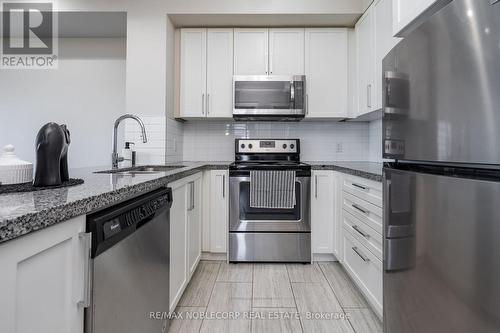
441	126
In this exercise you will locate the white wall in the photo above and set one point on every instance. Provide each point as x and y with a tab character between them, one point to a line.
86	92
214	141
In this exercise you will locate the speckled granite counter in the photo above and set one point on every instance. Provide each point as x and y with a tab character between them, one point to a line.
368	170
22	213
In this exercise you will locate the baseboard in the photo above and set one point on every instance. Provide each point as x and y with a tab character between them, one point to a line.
324	257
213	256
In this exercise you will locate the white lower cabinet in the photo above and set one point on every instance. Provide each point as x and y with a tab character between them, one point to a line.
185	234
360	209
194	212
42	280
219	210
323	212
365	269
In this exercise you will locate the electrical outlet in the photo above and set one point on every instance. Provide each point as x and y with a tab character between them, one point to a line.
340	147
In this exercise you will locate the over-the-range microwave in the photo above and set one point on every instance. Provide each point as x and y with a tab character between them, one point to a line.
269	97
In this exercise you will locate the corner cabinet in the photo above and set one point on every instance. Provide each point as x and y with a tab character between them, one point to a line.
185	234
326	70
42	279
206	73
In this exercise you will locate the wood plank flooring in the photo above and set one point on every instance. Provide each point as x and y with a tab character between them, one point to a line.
268	298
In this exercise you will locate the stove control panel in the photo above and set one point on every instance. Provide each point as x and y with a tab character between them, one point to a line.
267	146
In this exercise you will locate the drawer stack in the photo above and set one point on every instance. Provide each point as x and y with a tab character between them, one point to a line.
362	236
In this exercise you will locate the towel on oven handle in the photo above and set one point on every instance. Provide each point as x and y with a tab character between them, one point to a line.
272	189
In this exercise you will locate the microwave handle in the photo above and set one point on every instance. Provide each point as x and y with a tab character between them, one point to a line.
292	93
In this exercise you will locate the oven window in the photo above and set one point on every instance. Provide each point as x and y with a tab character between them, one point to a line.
262	95
259	214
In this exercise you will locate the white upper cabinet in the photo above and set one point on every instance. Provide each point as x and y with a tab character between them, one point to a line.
251	51
286	51
365	44
407	15
193	62
219	73
326	70
382	16
206	74
373	41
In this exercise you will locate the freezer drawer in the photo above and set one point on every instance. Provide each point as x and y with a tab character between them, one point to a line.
442	244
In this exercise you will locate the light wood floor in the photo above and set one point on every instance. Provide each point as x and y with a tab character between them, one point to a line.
273	298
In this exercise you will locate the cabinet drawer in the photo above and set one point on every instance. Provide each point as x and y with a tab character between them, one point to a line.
365	189
365	269
365	211
364	234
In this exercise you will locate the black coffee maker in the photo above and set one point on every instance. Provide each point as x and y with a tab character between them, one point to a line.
52	144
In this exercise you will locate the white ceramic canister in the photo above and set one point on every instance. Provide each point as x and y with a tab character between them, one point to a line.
14	170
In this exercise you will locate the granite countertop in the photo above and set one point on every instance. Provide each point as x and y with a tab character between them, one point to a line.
368	170
22	213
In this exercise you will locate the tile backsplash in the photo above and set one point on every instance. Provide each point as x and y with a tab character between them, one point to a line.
375	140
153	151
214	140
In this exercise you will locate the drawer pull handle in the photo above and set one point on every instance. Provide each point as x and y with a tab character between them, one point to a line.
359	186
365	259
359	208
361	232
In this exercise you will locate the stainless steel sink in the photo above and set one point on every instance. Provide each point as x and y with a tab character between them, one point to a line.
143	169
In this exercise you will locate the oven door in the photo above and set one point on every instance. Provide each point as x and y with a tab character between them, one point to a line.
243	218
268	96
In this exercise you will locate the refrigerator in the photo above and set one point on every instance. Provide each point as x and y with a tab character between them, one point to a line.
441	132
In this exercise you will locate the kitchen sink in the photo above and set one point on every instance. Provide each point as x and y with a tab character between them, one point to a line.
147	169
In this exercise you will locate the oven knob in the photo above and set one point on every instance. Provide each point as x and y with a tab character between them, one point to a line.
242	146
292	146
284	146
250	146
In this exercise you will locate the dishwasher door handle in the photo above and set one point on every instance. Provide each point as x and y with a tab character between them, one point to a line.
86	239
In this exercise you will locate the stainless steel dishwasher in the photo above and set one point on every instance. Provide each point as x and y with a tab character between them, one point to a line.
129	266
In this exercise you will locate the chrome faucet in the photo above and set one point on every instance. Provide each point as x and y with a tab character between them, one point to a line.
115	159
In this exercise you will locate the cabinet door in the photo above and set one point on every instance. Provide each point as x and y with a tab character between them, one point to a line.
409	14
178	262
193	72
338	225
365	39
323	212
251	51
220	73
326	69
42	280
194	208
218	210
382	16
286	51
